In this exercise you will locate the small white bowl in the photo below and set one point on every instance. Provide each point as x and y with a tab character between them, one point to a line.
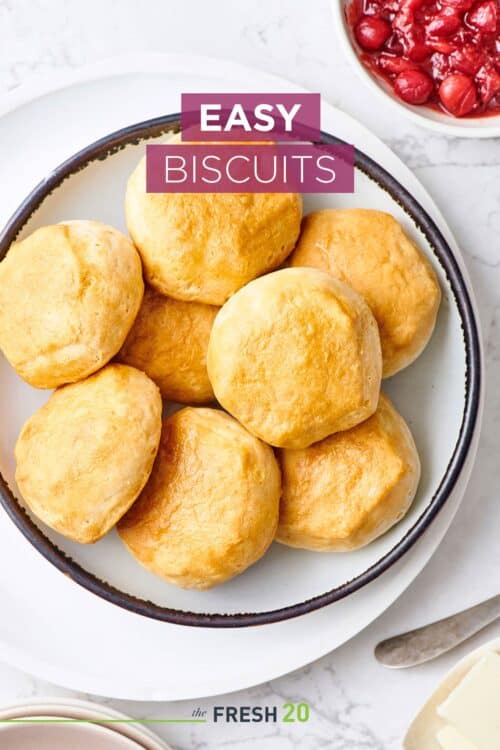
132	734
423	730
45	733
465	127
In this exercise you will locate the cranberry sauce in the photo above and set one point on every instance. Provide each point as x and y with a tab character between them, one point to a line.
443	53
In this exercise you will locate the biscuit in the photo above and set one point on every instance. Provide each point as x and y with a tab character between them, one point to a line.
295	356
369	250
169	342
83	458
347	490
69	294
203	247
210	508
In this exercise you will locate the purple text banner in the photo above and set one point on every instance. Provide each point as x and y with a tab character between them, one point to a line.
250	117
250	168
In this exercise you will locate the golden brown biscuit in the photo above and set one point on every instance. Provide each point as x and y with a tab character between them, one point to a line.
370	251
83	458
210	508
169	342
204	247
295	356
344	492
69	294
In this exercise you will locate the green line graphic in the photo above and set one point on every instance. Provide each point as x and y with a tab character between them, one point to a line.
103	721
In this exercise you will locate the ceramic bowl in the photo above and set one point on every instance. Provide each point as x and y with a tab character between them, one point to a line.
438	122
439	395
127	734
55	733
423	730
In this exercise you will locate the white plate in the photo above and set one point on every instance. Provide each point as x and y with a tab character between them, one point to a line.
52	736
424	728
165	661
136	734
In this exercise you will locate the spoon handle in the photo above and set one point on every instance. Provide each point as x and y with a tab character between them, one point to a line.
423	644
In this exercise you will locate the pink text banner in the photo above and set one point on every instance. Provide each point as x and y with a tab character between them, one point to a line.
250	117
250	168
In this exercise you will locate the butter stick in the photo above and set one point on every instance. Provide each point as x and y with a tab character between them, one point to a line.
473	708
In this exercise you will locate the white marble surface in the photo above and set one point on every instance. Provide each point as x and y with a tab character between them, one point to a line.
355	704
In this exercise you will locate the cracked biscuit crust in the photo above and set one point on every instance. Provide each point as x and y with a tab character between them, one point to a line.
369	250
210	508
169	342
345	491
69	294
83	458
204	247
295	356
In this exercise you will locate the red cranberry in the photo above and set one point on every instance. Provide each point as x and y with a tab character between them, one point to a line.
411	5
413	86
372	32
459	5
439	45
418	51
444	25
445	51
458	94
489	83
468	60
394	65
483	16
440	66
415	44
403	21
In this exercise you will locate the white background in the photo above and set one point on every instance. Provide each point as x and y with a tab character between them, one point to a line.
355	703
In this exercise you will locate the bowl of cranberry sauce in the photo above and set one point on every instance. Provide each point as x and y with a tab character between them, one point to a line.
440	59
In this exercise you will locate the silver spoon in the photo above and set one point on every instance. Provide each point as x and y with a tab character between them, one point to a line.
424	644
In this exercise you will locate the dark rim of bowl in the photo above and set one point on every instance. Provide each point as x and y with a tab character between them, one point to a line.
134	134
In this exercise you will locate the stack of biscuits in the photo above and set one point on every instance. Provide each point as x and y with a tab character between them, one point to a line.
274	331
